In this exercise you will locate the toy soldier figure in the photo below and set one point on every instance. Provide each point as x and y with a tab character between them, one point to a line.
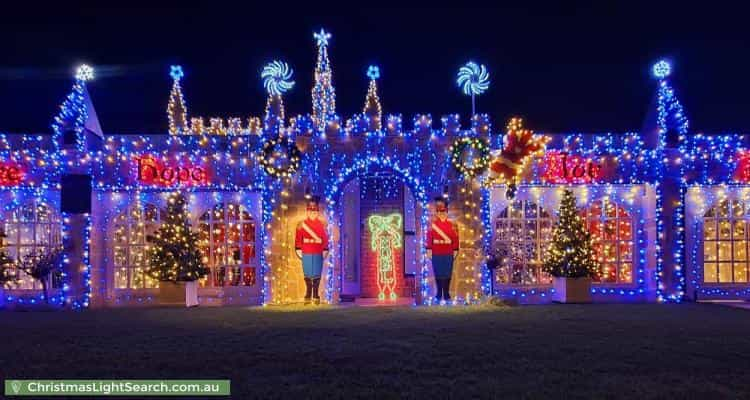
442	246
311	245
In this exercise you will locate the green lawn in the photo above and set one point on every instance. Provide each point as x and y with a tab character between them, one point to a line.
637	351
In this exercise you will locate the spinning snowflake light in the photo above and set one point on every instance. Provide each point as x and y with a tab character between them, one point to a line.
661	69
277	78
84	73
473	79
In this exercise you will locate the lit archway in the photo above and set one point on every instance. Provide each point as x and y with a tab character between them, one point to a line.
334	194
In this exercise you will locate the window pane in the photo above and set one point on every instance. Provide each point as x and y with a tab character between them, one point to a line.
740	272
709	272
725	272
737	210
725	251
609	272
724	229
626	251
738	231
709	251
709	229
626	273
740	250
121	278
724	209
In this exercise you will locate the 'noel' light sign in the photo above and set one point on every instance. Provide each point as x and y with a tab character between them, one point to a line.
563	167
11	173
153	171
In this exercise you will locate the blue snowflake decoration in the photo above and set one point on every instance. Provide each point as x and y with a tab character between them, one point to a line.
175	71
322	37
373	72
661	69
473	79
277	78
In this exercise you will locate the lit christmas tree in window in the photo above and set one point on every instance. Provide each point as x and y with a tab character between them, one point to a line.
571	253
174	255
323	93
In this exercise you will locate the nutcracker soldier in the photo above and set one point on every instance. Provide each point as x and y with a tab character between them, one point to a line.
442	247
311	246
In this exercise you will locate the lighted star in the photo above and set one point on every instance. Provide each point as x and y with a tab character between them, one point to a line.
373	72
84	73
175	71
322	37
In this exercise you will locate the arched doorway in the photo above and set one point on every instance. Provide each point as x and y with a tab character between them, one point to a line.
376	212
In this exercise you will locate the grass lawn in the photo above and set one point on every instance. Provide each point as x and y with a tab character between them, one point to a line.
639	351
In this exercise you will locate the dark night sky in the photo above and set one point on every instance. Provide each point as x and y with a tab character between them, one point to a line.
563	68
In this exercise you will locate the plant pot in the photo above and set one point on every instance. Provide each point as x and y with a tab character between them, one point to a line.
572	290
191	294
179	293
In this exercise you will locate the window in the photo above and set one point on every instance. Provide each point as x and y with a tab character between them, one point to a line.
131	247
33	228
227	236
611	228
725	243
522	233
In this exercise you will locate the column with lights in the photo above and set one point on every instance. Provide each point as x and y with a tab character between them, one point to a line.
77	135
667	128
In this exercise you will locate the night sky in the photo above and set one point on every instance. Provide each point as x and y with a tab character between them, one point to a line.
563	68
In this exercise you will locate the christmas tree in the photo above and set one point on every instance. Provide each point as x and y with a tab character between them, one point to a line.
372	109
7	274
323	93
174	255
571	253
176	108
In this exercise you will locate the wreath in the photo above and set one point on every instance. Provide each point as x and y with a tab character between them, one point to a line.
281	157
470	156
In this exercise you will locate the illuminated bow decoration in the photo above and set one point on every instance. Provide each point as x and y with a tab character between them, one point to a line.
519	146
390	224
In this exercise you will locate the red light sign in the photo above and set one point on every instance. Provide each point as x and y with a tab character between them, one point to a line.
11	174
562	167
153	171
742	173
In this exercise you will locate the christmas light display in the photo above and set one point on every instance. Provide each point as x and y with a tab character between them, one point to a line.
372	110
571	253
280	157
176	108
174	255
323	92
470	156
662	206
385	237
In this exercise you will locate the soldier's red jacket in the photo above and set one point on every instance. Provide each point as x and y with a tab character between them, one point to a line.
311	237
442	238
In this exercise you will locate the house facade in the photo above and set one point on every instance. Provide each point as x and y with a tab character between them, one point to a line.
668	208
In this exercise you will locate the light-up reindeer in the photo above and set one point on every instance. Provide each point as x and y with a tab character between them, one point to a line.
385	235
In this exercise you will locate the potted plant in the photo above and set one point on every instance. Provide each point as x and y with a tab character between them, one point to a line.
174	258
571	260
41	266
